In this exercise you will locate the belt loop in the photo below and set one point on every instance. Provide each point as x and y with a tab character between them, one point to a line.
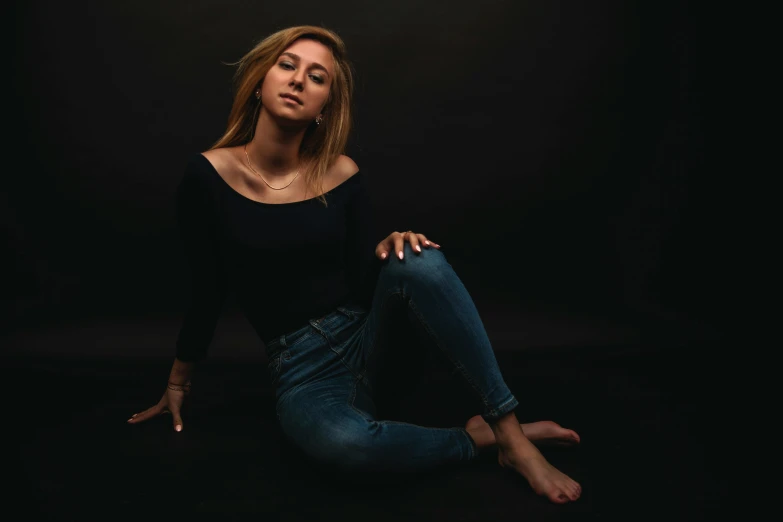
282	341
318	325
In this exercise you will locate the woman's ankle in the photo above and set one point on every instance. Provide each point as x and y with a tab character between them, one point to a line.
508	432
508	423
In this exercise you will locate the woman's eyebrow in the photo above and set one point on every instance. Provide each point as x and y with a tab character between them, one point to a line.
298	59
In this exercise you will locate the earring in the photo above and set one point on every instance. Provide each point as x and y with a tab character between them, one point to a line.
258	94
319	119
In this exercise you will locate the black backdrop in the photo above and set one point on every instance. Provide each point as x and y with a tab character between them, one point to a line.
557	150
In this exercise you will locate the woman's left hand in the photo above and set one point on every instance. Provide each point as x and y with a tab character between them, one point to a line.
396	241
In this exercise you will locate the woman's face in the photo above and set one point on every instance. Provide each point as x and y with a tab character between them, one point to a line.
297	86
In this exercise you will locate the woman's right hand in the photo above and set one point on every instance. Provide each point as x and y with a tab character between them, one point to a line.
171	402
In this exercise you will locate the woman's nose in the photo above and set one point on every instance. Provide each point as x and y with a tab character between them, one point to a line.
297	80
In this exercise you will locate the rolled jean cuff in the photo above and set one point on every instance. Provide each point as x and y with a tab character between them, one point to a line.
473	448
496	413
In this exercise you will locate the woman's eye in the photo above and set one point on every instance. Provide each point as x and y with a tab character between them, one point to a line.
290	67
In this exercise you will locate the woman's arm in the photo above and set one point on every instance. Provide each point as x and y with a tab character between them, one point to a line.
181	372
197	222
197	225
362	266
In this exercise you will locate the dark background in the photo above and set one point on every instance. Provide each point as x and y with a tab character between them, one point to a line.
561	152
573	159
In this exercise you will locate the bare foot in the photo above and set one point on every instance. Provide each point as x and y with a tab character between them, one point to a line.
540	433
517	453
520	455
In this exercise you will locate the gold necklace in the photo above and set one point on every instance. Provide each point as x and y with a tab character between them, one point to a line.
262	178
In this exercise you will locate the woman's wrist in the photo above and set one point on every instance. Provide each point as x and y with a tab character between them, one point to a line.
180	373
184	387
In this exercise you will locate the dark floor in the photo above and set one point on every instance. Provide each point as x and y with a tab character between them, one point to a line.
641	402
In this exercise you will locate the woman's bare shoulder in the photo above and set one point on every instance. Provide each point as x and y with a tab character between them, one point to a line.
343	169
222	158
225	162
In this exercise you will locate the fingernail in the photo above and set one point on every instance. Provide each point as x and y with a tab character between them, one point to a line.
400	255
383	255
426	242
418	248
178	428
130	419
134	415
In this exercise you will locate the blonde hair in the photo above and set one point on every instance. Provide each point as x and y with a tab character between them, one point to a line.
322	144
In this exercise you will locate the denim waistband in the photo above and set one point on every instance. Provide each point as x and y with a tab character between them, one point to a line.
280	342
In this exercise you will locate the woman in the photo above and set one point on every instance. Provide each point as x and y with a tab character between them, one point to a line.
275	212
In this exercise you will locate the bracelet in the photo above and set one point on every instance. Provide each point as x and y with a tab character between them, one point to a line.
179	387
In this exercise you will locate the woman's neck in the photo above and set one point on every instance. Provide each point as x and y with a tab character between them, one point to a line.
274	149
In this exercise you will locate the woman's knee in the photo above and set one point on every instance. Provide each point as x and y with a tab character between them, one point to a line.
427	266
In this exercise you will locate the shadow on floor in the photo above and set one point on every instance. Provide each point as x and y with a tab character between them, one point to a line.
641	410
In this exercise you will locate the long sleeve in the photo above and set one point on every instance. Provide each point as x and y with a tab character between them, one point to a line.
197	227
361	264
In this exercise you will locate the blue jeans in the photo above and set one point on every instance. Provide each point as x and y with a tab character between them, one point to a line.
323	372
